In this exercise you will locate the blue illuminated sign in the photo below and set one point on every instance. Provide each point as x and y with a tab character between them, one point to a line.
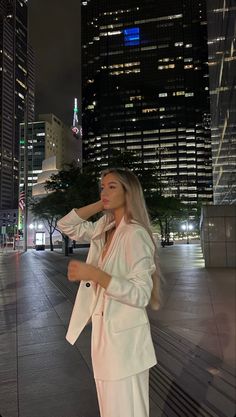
132	36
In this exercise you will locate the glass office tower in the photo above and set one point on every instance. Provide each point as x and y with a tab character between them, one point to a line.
222	70
145	89
16	72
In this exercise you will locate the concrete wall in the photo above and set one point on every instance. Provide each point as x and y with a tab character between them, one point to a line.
218	235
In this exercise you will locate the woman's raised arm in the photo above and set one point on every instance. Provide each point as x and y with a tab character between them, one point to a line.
75	224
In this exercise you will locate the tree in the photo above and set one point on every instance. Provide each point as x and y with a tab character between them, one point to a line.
125	158
164	210
69	188
76	188
49	209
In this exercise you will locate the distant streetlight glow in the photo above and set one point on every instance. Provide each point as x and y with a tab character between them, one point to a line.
186	228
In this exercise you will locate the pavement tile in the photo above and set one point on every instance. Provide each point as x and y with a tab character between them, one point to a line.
40	335
9	406
46	360
36	320
8	342
40	348
55	379
69	377
77	403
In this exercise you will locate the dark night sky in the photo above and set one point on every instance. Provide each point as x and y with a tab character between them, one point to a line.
54	33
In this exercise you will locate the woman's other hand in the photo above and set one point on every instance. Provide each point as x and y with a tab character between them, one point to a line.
79	271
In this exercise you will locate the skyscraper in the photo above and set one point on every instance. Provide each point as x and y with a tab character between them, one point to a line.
145	88
16	75
47	137
76	128
222	71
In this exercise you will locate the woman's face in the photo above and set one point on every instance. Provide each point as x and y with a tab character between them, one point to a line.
112	193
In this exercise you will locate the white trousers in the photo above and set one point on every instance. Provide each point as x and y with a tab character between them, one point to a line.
128	397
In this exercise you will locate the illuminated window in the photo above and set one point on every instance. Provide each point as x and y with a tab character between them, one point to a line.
117	72
134	98
131	64
132	36
146	48
136	70
150	110
162	67
114	66
133	133
21	84
156	19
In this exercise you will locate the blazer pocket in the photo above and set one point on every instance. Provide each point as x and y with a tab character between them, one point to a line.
120	325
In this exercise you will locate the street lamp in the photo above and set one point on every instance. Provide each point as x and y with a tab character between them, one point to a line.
187	227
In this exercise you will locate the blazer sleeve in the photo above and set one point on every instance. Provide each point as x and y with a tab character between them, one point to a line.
135	289
75	227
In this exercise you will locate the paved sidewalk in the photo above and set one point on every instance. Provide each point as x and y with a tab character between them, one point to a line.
41	375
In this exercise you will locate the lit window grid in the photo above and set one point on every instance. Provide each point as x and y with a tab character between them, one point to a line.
137	120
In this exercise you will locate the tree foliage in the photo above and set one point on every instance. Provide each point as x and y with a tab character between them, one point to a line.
48	209
72	187
75	187
67	189
164	210
123	158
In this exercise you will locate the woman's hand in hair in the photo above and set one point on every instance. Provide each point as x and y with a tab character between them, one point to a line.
87	211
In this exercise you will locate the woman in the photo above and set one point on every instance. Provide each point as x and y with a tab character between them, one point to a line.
117	282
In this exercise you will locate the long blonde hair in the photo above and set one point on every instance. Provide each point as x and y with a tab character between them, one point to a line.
136	210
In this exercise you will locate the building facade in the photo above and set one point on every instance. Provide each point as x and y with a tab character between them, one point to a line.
47	138
8	218
145	89
222	71
16	73
51	145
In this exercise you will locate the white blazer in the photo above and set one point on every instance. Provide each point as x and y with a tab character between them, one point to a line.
130	262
